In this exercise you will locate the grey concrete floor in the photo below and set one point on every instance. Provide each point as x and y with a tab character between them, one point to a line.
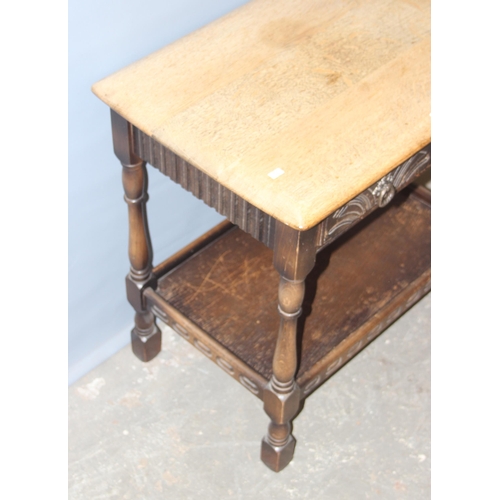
180	428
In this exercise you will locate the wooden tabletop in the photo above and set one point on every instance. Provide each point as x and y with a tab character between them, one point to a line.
296	106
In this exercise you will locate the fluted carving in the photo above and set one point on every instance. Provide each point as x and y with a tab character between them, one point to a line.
245	215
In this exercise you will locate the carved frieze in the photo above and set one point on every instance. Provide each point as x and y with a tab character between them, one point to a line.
221	356
259	224
246	216
377	195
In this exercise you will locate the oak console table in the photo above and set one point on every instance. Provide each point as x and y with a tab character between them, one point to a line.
295	120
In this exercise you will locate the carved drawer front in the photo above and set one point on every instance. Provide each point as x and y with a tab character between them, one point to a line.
377	195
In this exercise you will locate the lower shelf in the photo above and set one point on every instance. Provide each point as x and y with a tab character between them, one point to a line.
223	298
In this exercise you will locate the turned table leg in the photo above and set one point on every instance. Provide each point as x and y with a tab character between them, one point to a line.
146	336
294	257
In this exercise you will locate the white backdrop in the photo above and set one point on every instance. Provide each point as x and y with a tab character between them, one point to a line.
104	36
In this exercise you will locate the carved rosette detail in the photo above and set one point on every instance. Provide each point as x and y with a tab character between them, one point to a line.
377	195
383	192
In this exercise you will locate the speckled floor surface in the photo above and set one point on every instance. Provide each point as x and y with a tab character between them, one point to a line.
180	428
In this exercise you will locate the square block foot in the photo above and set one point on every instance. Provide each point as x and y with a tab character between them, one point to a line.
146	347
277	457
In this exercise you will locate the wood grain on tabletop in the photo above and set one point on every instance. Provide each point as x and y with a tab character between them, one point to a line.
334	93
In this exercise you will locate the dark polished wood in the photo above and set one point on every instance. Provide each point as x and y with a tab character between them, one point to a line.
216	288
256	222
294	257
210	299
239	211
192	248
222	291
310	165
146	336
377	195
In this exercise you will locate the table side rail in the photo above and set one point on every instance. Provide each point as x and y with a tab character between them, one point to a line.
225	359
256	222
239	211
358	339
239	369
376	196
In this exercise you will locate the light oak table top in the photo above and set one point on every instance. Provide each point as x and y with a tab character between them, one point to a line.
297	106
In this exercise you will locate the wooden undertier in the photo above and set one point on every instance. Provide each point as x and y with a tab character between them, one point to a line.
223	298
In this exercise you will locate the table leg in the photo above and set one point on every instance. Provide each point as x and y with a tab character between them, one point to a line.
294	258
146	336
